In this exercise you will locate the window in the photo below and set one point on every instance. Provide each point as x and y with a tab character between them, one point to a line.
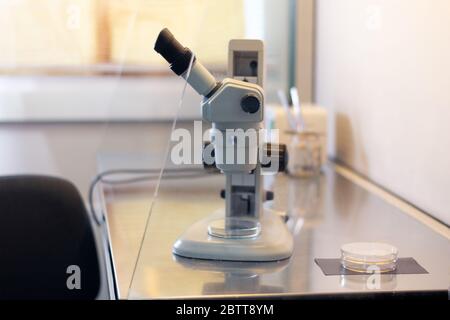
55	50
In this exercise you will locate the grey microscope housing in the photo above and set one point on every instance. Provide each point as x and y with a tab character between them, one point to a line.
235	108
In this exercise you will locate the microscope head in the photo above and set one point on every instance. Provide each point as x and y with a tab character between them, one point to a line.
232	106
245	98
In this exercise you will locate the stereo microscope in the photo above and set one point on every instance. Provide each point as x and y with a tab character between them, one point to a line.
244	230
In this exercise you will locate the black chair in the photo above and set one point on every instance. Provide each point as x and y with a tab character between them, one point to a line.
47	245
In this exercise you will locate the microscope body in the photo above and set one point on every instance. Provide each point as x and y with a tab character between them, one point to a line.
236	111
245	230
235	136
230	122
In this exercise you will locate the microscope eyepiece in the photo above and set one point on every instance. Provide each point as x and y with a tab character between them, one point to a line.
178	56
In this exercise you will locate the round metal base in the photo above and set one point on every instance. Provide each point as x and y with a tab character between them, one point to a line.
274	241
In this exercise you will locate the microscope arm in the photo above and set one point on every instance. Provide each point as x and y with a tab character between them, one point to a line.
229	105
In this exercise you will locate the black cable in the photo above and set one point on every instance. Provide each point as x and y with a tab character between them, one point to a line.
148	174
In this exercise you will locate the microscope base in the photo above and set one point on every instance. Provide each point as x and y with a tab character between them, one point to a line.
273	243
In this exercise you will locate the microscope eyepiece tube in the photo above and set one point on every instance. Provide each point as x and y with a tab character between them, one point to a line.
179	58
201	79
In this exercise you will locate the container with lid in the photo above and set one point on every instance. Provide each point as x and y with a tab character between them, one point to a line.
369	257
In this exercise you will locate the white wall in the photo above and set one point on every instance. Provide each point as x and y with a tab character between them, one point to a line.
383	71
305	49
50	98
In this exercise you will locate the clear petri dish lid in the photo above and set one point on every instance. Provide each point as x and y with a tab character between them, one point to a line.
360	256
236	227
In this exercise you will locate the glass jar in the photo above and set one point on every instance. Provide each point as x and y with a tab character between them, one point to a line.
304	152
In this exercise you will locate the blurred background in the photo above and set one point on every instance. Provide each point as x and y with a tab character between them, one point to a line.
79	48
77	76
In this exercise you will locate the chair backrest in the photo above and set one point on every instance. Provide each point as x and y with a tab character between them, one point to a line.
47	246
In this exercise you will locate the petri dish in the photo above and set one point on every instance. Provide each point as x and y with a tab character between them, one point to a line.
369	257
304	150
234	228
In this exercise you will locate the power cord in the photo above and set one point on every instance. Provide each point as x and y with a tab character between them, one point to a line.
145	175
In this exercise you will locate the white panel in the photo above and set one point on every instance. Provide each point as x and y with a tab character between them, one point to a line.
383	70
42	98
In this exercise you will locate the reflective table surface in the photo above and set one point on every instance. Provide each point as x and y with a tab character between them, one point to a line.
324	213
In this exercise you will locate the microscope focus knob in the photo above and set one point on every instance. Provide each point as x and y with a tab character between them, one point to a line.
278	153
250	103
